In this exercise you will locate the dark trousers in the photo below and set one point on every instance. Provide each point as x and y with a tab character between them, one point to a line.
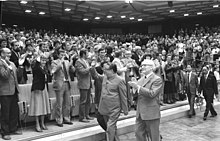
84	105
209	106
9	114
191	100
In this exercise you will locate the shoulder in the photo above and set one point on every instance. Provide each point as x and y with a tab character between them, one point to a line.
156	78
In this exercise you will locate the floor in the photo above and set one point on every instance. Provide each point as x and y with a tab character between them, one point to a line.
187	129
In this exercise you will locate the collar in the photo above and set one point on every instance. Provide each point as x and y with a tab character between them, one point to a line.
147	76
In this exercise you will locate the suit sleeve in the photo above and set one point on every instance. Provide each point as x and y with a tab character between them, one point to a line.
80	69
4	72
215	85
123	96
155	89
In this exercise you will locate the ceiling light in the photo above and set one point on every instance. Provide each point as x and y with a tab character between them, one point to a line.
186	15
3	24
172	11
97	18
140	20
85	19
128	1
109	16
28	11
131	18
41	13
215	6
123	16
67	9
23	2
15	25
199	13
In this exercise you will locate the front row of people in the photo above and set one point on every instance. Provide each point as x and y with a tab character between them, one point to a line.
113	98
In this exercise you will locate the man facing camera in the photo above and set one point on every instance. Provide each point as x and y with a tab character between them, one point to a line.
8	95
113	98
149	88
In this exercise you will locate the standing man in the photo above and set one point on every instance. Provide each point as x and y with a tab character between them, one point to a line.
208	85
190	84
113	98
8	95
61	85
84	85
149	88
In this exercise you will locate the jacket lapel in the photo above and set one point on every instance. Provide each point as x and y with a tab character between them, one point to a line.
147	80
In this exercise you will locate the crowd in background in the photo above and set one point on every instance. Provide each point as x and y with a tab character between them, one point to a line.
171	55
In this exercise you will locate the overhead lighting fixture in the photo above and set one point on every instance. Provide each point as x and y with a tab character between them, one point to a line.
172	11
3	24
215	6
128	1
41	13
199	13
140	20
123	17
85	19
186	15
197	24
109	16
27	11
97	18
15	25
67	9
131	18
23	2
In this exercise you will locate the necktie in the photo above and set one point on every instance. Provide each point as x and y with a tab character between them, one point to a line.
65	71
188	79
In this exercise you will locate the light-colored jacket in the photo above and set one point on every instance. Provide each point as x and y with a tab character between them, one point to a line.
8	79
148	105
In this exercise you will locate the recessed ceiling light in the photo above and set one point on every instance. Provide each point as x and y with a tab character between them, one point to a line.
215	6
123	16
41	13
140	20
199	13
23	2
131	18
67	9
3	24
97	18
109	16
85	19
28	11
186	15
15	25
172	11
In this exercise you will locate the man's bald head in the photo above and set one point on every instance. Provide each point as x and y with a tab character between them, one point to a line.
5	52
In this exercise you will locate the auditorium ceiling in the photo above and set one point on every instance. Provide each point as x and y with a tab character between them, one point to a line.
118	11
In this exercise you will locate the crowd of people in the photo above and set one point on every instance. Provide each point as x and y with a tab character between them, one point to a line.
115	63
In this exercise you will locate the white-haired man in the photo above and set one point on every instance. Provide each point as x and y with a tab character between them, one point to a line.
149	88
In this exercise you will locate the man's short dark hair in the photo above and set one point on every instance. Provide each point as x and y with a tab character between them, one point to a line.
82	52
112	66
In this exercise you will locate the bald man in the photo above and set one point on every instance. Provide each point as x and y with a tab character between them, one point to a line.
8	95
149	88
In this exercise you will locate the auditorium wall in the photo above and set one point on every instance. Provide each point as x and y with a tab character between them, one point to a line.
168	26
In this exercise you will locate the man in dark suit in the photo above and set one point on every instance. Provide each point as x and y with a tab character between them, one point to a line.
84	85
208	85
149	88
8	95
113	98
190	83
61	84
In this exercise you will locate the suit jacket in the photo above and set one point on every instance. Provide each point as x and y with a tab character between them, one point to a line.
58	73
8	79
208	86
113	96
14	58
148	104
193	83
39	80
83	74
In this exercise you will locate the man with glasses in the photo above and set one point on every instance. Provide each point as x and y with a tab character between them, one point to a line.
113	98
149	88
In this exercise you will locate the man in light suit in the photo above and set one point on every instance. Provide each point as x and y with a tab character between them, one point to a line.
113	98
149	88
190	83
8	95
84	85
61	85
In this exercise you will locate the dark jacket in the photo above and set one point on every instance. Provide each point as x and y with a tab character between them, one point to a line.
39	79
